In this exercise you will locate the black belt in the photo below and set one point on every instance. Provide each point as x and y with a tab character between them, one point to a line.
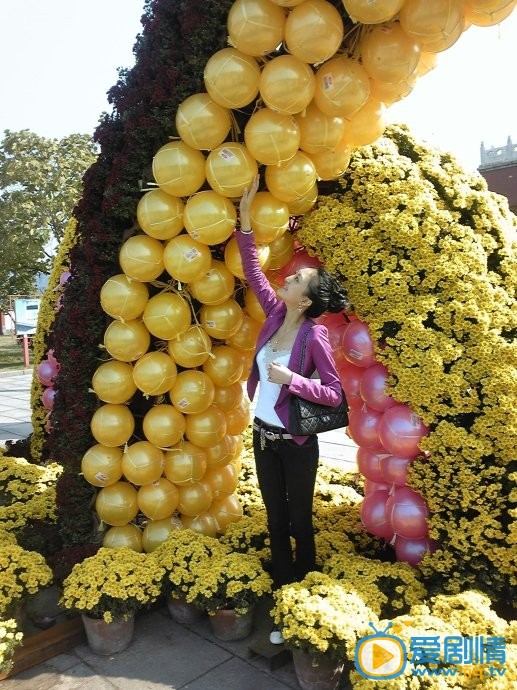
269	432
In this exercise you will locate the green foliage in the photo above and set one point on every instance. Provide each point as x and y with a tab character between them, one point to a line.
40	183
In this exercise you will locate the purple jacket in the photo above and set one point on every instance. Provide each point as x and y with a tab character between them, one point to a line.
318	352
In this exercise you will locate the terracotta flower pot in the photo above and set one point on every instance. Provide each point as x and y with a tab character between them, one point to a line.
183	612
108	638
326	675
228	626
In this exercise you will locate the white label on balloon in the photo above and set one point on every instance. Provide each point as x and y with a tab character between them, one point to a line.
194	234
210	324
226	154
328	82
100	477
356	354
192	254
183	403
415	420
156	483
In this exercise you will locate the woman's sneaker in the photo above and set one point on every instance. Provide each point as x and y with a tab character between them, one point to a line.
275	636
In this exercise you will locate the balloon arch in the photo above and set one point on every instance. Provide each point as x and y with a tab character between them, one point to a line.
302	84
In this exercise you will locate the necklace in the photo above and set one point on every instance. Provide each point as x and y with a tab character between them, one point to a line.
284	341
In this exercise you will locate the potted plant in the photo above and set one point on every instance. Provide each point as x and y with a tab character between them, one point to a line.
321	620
107	589
227	586
10	639
180	556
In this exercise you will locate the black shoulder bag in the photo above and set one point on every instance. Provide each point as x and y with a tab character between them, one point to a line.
307	417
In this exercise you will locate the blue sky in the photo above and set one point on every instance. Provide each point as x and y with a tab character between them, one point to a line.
60	57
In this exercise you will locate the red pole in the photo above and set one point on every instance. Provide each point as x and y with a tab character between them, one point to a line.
26	360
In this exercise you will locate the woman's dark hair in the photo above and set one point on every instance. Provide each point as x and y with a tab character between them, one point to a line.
326	294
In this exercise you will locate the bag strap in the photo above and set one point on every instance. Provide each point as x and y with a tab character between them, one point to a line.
304	346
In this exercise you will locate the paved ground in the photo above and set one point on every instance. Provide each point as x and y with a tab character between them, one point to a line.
163	654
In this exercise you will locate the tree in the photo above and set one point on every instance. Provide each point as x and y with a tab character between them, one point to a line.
40	183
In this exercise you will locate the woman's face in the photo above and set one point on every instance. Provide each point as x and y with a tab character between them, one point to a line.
294	290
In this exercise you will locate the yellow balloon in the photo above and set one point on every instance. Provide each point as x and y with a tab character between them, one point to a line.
331	164
272	137
287	3
372	12
123	298
435	26
201	122
230	169
253	306
154	373
292	180
223	320
247	363
427	62
215	287
185	464
391	93
192	348
225	367
185	259
366	126
163	425
113	382
255	27
488	12
141	258
269	217
238	418
157	531
127	341
192	392
228	397
210	218
319	132
112	425
246	337
232	78
116	504
206	428
222	480
304	204
226	509
314	31
142	463
129	536
158	500
342	87
388	53
167	315
179	169
287	84
204	524
281	250
223	452
194	499
233	261
102	466
160	215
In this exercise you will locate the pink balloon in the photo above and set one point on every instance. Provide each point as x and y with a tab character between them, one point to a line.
350	377
363	426
300	259
52	359
369	463
373	515
48	397
63	278
370	487
394	470
358	345
407	511
46	372
413	550
373	387
401	430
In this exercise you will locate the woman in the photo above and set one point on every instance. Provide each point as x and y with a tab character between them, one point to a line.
286	465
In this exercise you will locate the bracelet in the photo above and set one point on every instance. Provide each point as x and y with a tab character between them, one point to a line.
247	232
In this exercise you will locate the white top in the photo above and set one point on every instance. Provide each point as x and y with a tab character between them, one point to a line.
268	392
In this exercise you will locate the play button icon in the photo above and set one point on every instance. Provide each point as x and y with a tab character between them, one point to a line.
380	656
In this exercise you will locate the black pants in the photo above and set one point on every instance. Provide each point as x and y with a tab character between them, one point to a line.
286	474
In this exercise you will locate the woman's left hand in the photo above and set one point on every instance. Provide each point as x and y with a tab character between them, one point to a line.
277	373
